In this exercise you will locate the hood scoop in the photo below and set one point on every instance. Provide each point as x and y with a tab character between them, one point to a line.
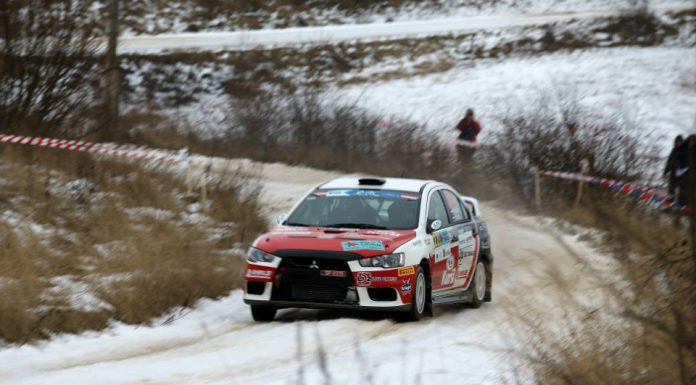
335	231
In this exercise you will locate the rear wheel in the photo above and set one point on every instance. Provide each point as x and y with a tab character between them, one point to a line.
478	285
419	300
262	313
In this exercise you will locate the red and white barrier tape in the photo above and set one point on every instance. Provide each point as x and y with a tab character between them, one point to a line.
111	149
647	194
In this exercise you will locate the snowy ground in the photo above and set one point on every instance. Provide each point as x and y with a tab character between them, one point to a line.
238	40
153	16
653	87
217	343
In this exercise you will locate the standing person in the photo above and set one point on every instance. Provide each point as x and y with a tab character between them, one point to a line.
676	165
469	129
684	173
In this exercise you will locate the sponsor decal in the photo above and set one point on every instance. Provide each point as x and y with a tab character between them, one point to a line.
441	255
382	232
467	240
463	273
362	245
366	193
333	273
441	238
450	263
417	243
406	286
410	270
383	279
261	274
363	279
428	241
448	278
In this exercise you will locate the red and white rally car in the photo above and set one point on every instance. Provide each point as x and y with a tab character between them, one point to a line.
389	244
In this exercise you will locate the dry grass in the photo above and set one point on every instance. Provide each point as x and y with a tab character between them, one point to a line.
125	246
632	323
631	319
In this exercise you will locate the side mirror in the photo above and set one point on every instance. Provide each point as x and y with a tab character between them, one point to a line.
434	225
282	218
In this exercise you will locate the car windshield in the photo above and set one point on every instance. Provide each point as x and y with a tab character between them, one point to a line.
358	208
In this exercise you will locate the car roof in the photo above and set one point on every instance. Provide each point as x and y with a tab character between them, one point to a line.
398	184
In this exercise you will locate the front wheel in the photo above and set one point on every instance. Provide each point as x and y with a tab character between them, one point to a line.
261	313
418	302
478	286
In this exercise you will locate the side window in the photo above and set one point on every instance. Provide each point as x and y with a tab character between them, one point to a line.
436	209
454	207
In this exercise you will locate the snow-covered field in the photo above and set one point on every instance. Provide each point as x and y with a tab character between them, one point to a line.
653	87
217	342
155	17
340	33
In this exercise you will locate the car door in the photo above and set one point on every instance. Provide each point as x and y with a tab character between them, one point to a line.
441	259
465	248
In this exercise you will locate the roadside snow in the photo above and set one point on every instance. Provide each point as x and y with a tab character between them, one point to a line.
654	87
78	296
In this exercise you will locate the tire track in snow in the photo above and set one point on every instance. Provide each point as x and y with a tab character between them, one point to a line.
223	346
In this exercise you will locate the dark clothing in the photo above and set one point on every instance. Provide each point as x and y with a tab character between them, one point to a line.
678	159
677	164
468	130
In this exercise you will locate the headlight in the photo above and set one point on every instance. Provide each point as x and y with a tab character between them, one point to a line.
385	261
256	255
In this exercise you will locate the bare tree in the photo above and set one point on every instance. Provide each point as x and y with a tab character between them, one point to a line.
48	70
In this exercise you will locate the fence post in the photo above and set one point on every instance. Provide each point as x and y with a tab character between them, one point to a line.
537	187
204	184
584	169
186	164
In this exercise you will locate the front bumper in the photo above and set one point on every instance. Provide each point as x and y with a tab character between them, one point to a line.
298	282
315	305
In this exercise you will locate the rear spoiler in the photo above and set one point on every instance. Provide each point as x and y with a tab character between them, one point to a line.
472	204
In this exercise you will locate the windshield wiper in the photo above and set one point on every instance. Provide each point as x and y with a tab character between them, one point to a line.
356	226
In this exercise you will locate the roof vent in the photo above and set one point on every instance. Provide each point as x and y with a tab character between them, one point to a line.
371	181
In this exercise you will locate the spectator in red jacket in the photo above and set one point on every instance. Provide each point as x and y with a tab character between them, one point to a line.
468	127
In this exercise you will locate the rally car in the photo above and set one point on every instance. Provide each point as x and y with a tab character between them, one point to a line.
397	245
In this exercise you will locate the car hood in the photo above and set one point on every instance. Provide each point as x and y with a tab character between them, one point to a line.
365	242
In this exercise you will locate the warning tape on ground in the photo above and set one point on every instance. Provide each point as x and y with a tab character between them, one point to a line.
109	149
646	194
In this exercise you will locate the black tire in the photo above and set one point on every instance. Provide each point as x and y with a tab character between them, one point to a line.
419	304
262	313
478	285
489	283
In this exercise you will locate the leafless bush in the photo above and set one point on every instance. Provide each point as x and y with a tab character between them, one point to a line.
631	321
47	66
556	133
129	241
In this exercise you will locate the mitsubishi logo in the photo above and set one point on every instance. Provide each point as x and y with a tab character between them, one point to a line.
314	265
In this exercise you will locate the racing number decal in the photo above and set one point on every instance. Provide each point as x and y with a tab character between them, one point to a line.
454	256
